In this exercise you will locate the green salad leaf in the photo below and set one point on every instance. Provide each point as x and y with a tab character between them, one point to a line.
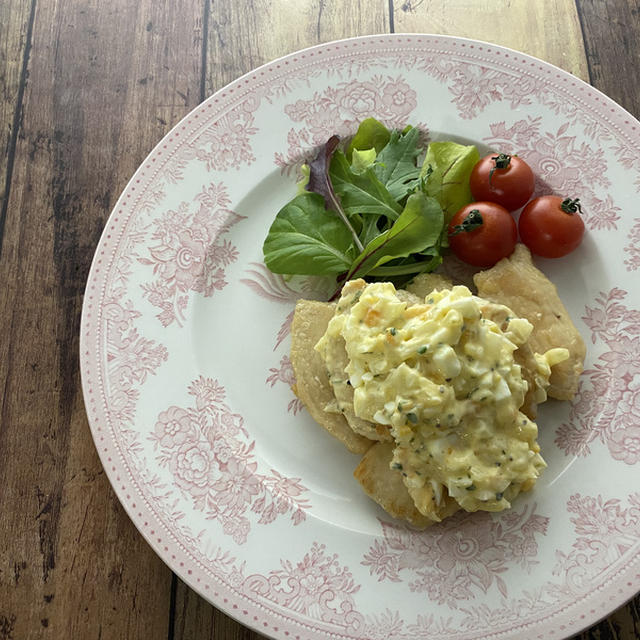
446	169
363	160
361	193
418	227
369	230
396	163
307	239
371	134
319	182
376	209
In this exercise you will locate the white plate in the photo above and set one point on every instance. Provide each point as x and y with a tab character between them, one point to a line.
187	379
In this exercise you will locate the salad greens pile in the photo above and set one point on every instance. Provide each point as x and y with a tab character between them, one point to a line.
372	209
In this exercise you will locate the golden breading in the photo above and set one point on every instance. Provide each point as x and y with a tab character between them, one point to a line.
385	486
518	284
312	382
424	283
336	363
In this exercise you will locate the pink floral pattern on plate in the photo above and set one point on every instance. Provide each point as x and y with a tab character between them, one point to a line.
340	109
272	286
220	146
464	554
131	358
317	587
204	482
211	458
607	407
605	531
284	373
633	248
190	253
225	144
474	85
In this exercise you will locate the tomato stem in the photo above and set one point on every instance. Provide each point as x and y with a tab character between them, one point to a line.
472	221
571	206
501	161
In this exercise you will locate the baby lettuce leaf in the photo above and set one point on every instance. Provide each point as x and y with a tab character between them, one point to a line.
369	229
372	211
446	169
306	239
428	262
362	160
396	163
371	134
361	193
319	182
319	173
418	227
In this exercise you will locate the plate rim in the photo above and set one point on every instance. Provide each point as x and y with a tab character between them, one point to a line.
111	470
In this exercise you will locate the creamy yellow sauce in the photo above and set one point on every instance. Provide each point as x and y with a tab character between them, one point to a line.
441	376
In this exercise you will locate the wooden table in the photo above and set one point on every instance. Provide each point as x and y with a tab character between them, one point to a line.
88	88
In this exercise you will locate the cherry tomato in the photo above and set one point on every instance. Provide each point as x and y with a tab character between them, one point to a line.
551	226
482	233
503	179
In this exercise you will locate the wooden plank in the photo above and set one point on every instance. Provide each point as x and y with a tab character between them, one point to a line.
106	81
236	31
236	44
15	21
611	33
515	24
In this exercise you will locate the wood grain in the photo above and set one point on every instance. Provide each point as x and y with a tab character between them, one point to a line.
611	34
106	80
101	84
547	29
242	36
16	20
